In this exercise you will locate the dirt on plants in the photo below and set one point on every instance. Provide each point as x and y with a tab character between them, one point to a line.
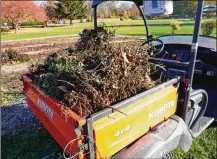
96	74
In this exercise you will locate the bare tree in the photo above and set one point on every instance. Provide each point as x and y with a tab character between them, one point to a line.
110	5
134	10
124	7
50	9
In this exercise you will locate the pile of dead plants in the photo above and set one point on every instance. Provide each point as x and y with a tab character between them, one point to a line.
92	39
96	74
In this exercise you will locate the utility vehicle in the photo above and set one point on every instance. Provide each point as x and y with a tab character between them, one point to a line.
152	123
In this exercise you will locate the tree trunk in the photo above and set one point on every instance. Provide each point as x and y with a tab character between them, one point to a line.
16	27
71	22
13	26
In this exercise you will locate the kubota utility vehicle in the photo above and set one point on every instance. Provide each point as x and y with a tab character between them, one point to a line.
152	123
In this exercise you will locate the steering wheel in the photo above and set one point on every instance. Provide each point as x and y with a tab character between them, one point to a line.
156	51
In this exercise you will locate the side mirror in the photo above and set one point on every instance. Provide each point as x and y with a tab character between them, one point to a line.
157	7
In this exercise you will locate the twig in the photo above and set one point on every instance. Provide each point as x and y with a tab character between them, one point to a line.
117	110
67	83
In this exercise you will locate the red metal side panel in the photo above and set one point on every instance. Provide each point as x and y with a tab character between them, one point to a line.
48	111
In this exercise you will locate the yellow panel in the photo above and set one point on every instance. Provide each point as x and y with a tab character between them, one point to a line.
116	131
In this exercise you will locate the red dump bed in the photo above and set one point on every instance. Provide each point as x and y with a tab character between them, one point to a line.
111	130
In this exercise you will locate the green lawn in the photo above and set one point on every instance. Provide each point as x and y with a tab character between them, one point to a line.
28	33
35	145
155	30
204	147
31	145
137	22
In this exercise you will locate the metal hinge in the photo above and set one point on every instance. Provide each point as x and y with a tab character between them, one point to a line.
82	147
78	130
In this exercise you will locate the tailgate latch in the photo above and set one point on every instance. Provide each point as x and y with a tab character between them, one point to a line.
82	147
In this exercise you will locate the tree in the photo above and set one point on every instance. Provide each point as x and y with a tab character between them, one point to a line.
16	12
114	12
110	6
124	7
101	10
107	9
183	8
50	9
186	8
71	9
89	10
134	11
39	14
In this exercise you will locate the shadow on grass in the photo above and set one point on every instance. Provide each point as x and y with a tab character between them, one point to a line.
214	125
18	117
28	145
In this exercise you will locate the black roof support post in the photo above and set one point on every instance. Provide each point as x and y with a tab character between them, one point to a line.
193	53
145	21
95	17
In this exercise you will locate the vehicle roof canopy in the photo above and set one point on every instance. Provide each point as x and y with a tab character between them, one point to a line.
97	2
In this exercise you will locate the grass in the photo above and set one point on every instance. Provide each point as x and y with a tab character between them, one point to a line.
34	145
204	147
31	145
141	22
155	30
29	33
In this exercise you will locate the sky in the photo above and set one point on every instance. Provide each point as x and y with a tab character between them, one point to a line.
42	2
39	2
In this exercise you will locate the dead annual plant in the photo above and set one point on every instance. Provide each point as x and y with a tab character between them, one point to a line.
12	56
93	78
